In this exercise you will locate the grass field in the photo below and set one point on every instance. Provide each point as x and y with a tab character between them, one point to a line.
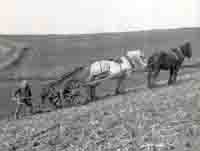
53	54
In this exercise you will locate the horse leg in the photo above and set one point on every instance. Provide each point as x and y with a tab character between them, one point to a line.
118	85
156	73
171	72
175	74
149	79
42	101
153	72
92	93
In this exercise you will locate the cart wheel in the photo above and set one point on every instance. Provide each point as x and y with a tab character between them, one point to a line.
76	93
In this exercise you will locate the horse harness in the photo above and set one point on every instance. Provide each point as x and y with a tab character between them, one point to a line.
119	62
177	53
129	61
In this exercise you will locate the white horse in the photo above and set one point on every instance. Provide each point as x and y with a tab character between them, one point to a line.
118	70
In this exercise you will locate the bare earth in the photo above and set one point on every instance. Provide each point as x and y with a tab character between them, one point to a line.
166	118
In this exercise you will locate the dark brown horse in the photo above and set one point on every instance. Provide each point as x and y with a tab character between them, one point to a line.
167	60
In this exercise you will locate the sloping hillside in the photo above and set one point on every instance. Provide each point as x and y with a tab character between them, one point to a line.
167	117
52	54
12	53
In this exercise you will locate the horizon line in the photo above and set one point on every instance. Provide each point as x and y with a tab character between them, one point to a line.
99	33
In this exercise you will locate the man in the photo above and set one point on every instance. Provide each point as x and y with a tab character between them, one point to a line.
22	96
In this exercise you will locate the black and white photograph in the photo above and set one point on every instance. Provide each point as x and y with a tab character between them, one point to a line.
100	75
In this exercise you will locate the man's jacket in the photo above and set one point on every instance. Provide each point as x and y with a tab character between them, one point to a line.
23	93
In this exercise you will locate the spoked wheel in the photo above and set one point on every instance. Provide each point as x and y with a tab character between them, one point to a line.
75	93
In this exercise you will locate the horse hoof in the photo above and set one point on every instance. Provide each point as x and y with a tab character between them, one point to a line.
95	98
170	83
92	99
117	93
150	86
122	92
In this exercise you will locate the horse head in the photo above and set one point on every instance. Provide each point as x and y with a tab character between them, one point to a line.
137	57
186	49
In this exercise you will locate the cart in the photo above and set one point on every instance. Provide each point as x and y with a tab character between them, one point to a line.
75	90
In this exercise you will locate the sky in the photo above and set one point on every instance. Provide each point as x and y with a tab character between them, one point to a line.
95	16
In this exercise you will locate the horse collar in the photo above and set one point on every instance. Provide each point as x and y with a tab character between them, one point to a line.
129	61
177	53
180	52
